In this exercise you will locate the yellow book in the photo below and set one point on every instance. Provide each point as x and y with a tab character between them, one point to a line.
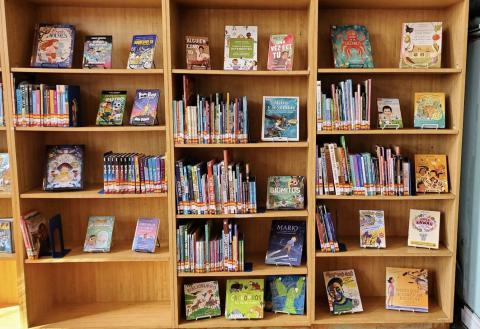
406	289
431	173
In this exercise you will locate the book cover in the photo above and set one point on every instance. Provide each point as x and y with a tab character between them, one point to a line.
372	229
111	108
406	289
97	52
431	173
99	234
389	114
240	48
146	233
144	112
421	45
280	52
6	235
286	243
202	300
197	53
244	299
64	170
5	174
424	229
53	45
429	110
142	52
288	294
38	233
342	292
280	118
351	46
285	192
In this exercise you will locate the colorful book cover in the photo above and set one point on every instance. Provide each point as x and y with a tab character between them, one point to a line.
97	52
5	174
424	229
197	53
53	45
285	246
280	118
285	192
280	52
202	300
244	299
351	46
6	235
406	289
342	292
144	112
240	48
146	233
431	173
142	52
429	110
372	229
64	170
421	45
111	108
99	234
288	294
38	232
389	114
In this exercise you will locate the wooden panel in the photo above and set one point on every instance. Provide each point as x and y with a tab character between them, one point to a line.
240	4
8	273
374	4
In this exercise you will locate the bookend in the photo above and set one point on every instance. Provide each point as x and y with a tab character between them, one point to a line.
55	223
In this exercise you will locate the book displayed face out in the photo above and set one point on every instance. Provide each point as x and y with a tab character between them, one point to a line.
342	292
406	289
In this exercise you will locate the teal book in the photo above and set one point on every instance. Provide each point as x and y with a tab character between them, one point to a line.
280	120
288	294
202	300
351	46
99	234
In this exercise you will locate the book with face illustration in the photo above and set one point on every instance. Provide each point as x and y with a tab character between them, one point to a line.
431	173
99	234
406	289
342	292
372	229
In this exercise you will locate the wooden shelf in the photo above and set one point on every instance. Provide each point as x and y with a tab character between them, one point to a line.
269	320
7	256
248	145
419	197
91	192
9	316
5	195
391	132
85	71
385	4
242	73
266	214
3	128
93	129
247	4
389	71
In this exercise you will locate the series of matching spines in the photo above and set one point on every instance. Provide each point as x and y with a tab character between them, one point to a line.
326	230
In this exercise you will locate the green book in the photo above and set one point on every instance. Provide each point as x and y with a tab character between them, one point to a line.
244	299
111	108
202	300
285	192
99	234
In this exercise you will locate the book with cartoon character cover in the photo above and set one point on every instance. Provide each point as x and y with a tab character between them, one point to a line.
6	235
5	176
240	48
421	45
285	192
280	118
424	229
406	289
144	112
146	233
111	108
64	169
244	299
431	173
280	52
53	45
202	300
99	234
288	294
429	110
351	46
342	292
142	52
285	246
372	229
97	52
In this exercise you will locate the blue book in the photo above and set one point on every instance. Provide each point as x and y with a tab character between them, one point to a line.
351	46
288	294
6	236
280	119
146	234
286	243
142	52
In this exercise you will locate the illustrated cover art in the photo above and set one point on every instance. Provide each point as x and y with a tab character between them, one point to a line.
5	174
37	229
421	45
285	192
288	294
53	45
280	118
280	52
424	229
202	300
429	110
6	235
99	234
244	299
146	233
142	52
64	167
240	48
389	114
97	52
197	53
351	46
144	112
286	243
111	108
431	173
406	289
342	292
372	229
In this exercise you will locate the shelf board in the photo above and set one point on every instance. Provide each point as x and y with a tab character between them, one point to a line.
7	256
85	71
3	128
419	197
247	145
9	316
94	129
242	73
5	195
389	71
269	320
266	214
247	4
90	192
391	132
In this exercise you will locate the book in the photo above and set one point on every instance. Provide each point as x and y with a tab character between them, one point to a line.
244	299
64	170
202	300
389	114
99	234
142	52
53	45
144	112
5	173
146	235
280	52
406	289
351	46
421	45
429	110
280	118
240	48
326	230
6	236
424	229
342	292
431	173
372	229
35	233
285	192
111	108
197	53
286	241
2	110
288	294
97	52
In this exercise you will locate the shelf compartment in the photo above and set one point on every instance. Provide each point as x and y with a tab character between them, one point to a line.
94	129
393	70
266	214
419	197
90	192
270	320
247	145
33	70
391	132
242	73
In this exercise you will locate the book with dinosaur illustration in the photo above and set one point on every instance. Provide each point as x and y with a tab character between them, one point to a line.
342	292
351	46
244	299
202	300
285	192
286	243
280	119
144	112
406	289
288	294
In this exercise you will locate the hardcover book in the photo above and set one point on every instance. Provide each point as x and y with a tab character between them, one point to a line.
372	229
35	229
99	234
280	52
53	45
286	243
146	233
142	52
406	289
424	229
97	52
5	175
389	114
342	292
285	192
244	299
197	53
429	110
351	46
6	235
202	300
111	108
421	45
64	170
280	118
144	112
431	173
240	48
288	294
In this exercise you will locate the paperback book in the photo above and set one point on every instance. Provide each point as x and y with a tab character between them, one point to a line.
97	52
146	235
342	292
240	48
389	114
99	234
421	45
111	108
64	169
280	118
53	45
244	299
429	110
202	300
372	229
285	246
197	53
142	52
326	230
2	110
406	289
351	46
431	173
424	229
35	233
288	294
6	236
144	112
285	192
5	174
280	52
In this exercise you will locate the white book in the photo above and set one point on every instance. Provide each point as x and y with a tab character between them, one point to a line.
240	48
424	229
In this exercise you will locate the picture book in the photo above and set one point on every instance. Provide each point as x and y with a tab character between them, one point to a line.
351	46
144	112
244	299
342	292
202	300
431	173
280	52
286	243
424	229
240	48
280	118
111	108
406	289
6	235
53	45
285	192
288	294
372	229
35	234
64	170
5	173
142	52
99	234
421	45
429	110
146	234
97	52
197	53
389	114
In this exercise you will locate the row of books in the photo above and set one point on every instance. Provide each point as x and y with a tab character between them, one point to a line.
7	244
326	230
5	175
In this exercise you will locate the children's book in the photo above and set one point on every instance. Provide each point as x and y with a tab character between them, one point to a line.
431	173
35	231
406	289
146	234
202	300
286	243
111	108
280	118
144	112
53	45
372	229
5	175
429	110
64	170
421	45
424	229
280	52
244	299
99	234
389	114
240	48
197	53
6	235
342	292
351	46
97	52
285	192
288	294
142	52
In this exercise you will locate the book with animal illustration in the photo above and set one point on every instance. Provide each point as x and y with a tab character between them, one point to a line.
429	110
389	114
53	45
372	229
240	48
197	53
244	299
406	289
431	173
285	192
421	45
280	118
424	229
97	52
286	243
342	292
144	112
351	46
146	234
142	52
99	234
111	108
280	52
64	169
202	300
288	294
